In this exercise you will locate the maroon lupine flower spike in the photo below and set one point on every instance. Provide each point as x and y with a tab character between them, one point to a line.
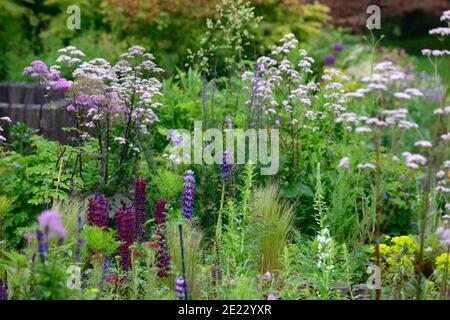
126	233
98	212
162	256
140	202
160	212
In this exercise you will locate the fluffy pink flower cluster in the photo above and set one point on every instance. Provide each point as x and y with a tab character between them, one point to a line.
48	77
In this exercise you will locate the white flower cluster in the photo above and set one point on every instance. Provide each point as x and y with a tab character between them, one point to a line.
4	119
276	71
70	55
423	144
440	111
325	250
366	166
414	160
445	16
441	32
435	53
386	77
444	230
443	178
127	84
333	90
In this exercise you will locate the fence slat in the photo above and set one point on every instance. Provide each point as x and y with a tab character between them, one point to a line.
4	109
29	93
33	116
4	92
26	103
15	93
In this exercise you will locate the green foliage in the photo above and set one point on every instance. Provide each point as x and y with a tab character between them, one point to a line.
99	240
272	220
5	206
169	183
192	248
30	180
21	138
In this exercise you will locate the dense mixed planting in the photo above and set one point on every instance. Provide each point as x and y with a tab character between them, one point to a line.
359	207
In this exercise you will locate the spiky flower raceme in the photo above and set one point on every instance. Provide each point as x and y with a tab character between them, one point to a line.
162	256
126	232
98	215
226	166
160	212
140	202
188	194
180	288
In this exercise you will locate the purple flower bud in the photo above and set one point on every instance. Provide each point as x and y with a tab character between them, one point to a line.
338	47
329	59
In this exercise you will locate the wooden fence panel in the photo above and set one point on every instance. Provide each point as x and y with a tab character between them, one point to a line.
25	102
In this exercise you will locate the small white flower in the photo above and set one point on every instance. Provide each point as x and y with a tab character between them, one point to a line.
414	92
366	166
120	140
446	137
7	119
344	162
363	130
402	95
423	144
440	174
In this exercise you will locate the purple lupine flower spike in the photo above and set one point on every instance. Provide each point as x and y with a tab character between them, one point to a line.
79	229
126	232
226	167
162	256
188	194
41	246
180	288
140	202
98	212
229	122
